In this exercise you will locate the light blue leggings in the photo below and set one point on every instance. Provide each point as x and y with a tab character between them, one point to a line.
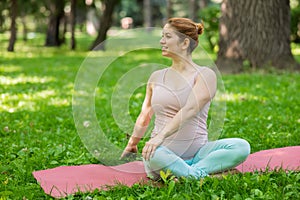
213	157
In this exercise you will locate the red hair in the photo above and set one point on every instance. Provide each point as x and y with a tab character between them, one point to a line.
187	28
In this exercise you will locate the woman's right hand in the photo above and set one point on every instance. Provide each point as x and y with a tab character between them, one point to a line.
129	151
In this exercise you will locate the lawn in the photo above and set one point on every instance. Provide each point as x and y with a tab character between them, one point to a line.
38	129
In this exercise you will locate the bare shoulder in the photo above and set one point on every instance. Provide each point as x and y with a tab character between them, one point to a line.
155	76
207	78
206	73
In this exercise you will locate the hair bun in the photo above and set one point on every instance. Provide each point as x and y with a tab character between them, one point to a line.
200	28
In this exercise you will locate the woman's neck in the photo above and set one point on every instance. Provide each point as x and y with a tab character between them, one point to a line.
181	64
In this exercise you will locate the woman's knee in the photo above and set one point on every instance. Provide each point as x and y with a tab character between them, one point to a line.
242	149
159	157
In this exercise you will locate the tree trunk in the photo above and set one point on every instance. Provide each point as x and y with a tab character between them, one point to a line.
105	24
73	23
203	3
257	32
193	8
13	28
169	9
64	22
25	30
147	14
56	8
2	19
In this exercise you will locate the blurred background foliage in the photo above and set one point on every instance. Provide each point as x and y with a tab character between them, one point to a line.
63	22
33	16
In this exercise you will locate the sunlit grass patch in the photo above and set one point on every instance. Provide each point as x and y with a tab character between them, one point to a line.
23	79
296	51
31	101
235	97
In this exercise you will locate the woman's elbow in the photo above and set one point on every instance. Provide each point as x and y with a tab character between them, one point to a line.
190	112
144	119
193	110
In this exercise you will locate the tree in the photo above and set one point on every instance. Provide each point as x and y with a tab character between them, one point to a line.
56	8
13	28
193	8
3	6
105	23
73	23
203	3
257	32
169	12
29	7
147	13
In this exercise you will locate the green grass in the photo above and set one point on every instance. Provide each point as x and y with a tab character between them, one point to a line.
37	129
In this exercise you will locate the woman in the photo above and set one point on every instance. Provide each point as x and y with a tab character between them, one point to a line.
179	97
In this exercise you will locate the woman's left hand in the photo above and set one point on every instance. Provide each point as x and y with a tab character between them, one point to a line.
151	145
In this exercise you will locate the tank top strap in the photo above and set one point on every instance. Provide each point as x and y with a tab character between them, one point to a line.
198	71
195	76
163	74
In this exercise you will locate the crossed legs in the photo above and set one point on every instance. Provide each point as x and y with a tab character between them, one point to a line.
213	157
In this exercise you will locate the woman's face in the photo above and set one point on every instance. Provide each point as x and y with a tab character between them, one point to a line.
170	42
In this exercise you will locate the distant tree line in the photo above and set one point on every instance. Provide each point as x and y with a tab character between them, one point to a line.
256	32
56	17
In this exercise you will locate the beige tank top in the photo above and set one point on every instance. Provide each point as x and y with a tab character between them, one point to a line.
192	135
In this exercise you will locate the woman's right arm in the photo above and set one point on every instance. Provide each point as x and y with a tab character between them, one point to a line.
141	123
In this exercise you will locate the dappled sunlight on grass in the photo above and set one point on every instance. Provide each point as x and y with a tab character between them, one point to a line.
237	97
31	102
296	51
23	51
9	69
34	47
263	108
100	54
22	79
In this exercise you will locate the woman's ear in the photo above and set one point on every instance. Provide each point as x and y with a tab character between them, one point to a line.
185	44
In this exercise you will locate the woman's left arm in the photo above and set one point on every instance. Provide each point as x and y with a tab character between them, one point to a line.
203	91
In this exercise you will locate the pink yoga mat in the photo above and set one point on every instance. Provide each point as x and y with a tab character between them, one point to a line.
62	181
287	158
